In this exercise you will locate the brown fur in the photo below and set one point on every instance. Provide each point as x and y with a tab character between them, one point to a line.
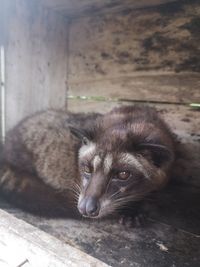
40	165
135	132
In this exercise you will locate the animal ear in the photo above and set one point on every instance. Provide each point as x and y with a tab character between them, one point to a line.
159	153
81	134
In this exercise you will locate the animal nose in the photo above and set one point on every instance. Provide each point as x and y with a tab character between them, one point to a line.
92	206
89	206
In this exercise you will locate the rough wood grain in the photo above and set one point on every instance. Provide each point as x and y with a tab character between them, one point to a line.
111	45
22	243
108	52
36	59
161	87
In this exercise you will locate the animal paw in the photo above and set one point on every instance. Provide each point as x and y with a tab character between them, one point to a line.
135	222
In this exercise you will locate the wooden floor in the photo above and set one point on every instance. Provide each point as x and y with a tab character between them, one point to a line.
170	236
22	244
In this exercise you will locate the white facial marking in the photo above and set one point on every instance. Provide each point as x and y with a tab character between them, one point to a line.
105	203
87	150
96	162
80	198
130	159
84	182
108	163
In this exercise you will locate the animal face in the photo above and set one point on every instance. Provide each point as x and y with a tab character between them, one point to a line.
109	180
124	156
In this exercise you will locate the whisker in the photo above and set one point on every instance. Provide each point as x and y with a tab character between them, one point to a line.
114	194
124	200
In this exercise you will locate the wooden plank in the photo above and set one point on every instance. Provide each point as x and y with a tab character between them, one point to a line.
74	8
113	45
21	244
78	105
36	59
2	22
163	87
109	51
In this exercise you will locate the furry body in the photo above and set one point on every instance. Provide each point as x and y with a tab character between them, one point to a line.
117	158
39	162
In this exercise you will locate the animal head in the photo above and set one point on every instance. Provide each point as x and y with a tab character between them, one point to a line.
118	166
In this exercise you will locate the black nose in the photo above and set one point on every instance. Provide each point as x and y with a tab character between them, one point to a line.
89	206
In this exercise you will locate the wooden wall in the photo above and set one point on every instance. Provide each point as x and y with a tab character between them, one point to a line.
36	59
112	51
150	54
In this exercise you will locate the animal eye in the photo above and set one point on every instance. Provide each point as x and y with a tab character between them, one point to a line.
87	170
124	175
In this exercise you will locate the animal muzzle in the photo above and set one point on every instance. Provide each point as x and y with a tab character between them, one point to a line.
89	206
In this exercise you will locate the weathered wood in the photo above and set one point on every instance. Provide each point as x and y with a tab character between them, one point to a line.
22	243
2	22
36	59
74	8
108	52
162	87
111	45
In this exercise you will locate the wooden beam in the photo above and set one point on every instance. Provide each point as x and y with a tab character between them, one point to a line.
21	244
2	22
145	86
36	60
